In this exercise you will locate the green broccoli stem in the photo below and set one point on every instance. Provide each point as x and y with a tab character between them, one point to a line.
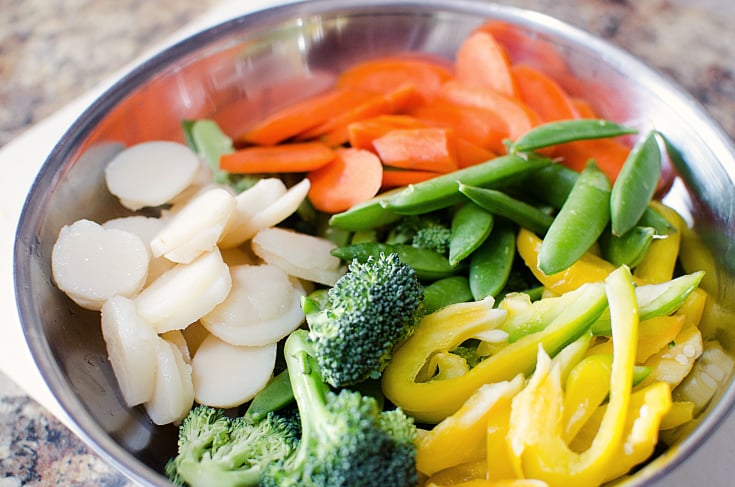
308	387
210	473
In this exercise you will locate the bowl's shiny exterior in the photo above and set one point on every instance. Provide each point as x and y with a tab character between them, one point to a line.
237	72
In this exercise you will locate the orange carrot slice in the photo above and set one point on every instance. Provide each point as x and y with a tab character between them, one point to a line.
386	74
544	95
477	125
297	157
482	62
354	176
584	108
302	116
364	132
393	178
517	116
334	131
469	154
426	149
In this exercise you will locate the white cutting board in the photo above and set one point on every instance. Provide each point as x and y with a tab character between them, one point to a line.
21	159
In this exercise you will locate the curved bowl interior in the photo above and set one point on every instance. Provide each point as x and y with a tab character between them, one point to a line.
239	71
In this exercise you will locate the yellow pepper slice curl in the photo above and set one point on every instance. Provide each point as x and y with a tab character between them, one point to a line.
433	400
461	437
536	430
458	474
589	268
660	260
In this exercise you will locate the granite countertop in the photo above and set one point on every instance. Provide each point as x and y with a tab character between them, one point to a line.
52	51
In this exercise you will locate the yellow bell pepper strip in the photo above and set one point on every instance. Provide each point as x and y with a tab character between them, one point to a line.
693	308
657	333
458	474
673	363
433	400
461	437
585	389
536	429
646	412
659	262
589	267
499	462
495	483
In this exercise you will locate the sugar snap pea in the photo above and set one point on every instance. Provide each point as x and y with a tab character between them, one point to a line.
450	290
367	215
627	249
553	183
490	265
635	184
559	132
441	191
579	223
428	264
470	227
500	204
273	397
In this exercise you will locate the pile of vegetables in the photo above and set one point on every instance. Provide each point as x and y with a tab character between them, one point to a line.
431	274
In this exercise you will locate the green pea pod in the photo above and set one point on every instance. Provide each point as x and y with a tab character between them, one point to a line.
635	184
470	227
500	204
272	397
441	191
491	263
627	249
560	132
450	290
210	142
367	215
579	223
428	264
552	185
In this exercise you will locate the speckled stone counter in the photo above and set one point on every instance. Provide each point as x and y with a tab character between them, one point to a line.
52	51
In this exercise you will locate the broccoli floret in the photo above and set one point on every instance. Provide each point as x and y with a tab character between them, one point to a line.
214	449
347	441
375	305
423	231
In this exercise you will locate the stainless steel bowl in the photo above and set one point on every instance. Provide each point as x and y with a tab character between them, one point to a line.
239	70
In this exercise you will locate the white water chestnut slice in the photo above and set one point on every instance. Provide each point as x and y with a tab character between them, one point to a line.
151	173
146	228
263	306
248	204
185	293
300	255
226	375
132	348
91	264
195	228
173	393
176	337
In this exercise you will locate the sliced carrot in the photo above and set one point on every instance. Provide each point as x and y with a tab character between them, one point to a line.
334	131
543	95
584	108
354	176
386	74
393	178
363	132
296	157
477	125
609	154
482	62
517	116
469	154
426	149
303	115
523	48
